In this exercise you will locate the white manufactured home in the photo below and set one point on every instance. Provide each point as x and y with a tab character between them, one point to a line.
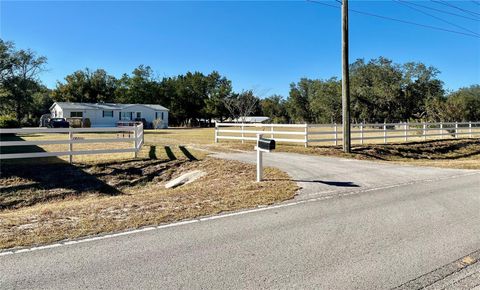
109	114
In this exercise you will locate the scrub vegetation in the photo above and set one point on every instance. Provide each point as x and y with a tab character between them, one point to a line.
55	200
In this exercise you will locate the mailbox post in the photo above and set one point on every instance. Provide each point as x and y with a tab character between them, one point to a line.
259	160
263	145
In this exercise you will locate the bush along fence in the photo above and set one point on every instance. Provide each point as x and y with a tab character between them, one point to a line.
332	133
10	139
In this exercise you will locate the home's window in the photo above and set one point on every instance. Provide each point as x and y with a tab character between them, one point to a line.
108	114
126	115
158	114
76	114
139	114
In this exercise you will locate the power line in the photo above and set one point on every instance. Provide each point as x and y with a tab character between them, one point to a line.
397	20
456	7
443	11
438	18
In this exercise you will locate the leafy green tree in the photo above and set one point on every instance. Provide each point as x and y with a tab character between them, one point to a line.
141	87
376	90
298	102
275	108
421	90
19	71
42	101
325	101
218	89
463	105
87	87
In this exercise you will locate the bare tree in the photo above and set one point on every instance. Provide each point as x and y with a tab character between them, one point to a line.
241	105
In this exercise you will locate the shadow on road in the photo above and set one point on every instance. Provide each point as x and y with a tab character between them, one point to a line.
332	183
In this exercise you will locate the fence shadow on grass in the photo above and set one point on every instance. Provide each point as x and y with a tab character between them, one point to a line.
33	180
187	153
169	153
152	153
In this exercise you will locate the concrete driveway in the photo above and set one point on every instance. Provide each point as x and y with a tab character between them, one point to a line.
320	176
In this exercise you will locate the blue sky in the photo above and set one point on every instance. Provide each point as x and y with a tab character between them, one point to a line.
258	45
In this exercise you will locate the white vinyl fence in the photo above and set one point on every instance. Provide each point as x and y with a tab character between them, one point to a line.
130	134
360	133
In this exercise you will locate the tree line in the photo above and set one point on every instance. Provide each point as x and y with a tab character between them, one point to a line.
381	91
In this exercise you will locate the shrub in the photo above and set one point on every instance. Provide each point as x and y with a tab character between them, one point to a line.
86	123
8	122
29	122
157	123
75	122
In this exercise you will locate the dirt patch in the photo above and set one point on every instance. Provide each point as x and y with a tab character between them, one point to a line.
65	202
427	150
22	185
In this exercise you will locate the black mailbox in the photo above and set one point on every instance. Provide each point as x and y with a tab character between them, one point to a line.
266	144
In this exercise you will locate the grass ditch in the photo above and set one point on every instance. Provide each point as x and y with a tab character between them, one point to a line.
55	201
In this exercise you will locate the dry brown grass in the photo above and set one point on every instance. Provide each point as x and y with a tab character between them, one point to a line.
181	136
98	198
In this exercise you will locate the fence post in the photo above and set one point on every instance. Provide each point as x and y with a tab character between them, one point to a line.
216	132
424	131
384	133
335	134
70	146
135	153
405	131
441	130
361	133
306	135
470	129
456	129
243	135
271	130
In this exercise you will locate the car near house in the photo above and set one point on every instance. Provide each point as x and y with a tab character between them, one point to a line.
112	114
58	123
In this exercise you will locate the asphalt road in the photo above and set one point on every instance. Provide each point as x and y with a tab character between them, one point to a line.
362	237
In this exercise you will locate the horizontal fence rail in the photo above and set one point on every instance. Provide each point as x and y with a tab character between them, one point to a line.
332	133
129	134
292	133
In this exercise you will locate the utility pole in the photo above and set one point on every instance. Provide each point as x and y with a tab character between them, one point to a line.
345	80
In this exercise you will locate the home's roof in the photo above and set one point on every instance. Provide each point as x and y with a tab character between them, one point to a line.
104	106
